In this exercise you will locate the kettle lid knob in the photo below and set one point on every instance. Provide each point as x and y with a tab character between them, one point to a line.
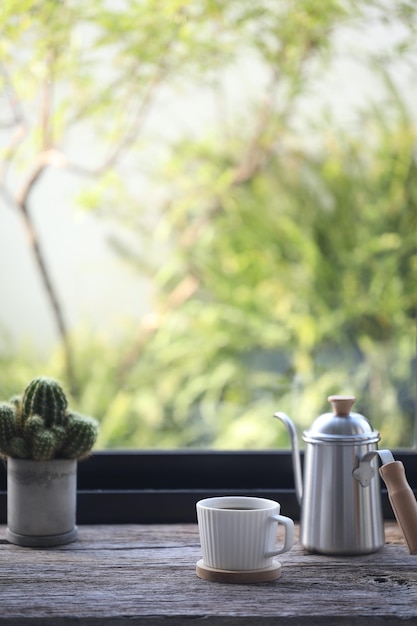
341	404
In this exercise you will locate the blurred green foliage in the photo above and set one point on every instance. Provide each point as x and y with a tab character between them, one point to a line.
282	250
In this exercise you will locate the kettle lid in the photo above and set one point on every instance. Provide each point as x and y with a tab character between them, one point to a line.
341	426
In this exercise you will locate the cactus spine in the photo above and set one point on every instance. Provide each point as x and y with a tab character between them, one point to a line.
39	426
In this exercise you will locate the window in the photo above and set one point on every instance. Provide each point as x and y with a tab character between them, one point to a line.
254	170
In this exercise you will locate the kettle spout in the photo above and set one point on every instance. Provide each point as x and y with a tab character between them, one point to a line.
295	454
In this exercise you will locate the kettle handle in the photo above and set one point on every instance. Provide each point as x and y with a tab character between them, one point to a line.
400	493
402	501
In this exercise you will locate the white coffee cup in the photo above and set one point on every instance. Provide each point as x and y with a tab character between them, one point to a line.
239	532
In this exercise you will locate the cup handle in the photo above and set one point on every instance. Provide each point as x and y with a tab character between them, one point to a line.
289	535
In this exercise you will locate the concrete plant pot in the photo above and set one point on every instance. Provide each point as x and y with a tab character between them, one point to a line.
41	502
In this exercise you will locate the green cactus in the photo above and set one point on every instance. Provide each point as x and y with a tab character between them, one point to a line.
40	427
81	435
45	397
8	426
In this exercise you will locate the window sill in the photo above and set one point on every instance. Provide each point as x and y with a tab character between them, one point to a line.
145	574
158	487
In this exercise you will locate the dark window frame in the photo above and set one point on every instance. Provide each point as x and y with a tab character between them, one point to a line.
160	486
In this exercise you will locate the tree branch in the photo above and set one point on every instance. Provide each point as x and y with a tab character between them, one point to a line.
129	136
45	123
21	201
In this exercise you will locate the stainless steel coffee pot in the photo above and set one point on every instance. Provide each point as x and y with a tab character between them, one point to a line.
341	511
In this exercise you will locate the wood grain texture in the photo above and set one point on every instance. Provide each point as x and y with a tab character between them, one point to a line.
138	574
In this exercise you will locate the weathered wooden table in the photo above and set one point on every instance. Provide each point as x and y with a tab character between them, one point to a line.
137	575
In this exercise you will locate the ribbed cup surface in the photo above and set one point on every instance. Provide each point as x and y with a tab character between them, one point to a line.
237	539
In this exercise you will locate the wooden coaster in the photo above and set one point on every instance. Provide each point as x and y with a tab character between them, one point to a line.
247	576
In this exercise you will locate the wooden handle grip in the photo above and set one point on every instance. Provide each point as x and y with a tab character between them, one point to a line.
402	501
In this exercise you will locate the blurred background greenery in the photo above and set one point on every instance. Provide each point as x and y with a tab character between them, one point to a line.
255	165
